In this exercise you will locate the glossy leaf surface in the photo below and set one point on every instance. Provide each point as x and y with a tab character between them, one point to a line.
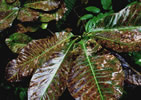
36	52
97	77
120	31
49	81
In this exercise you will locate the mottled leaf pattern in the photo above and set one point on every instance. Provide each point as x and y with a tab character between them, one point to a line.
27	14
24	28
8	13
49	81
120	31
108	73
45	5
46	17
17	41
31	56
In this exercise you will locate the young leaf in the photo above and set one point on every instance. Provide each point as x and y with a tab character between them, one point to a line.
93	9
85	17
30	56
49	81
120	31
97	77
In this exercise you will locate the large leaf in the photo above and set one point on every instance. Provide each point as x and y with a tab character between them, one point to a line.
98	77
49	81
8	13
36	52
45	5
120	31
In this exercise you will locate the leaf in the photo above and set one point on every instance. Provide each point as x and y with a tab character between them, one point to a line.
46	17
24	28
92	76
93	9
107	4
8	13
85	17
17	41
30	56
27	15
10	1
45	5
120	31
132	76
49	81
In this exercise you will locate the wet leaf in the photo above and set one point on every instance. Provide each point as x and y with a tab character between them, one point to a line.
30	56
97	77
27	15
120	31
17	41
8	13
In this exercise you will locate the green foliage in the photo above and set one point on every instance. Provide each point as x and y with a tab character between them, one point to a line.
93	9
107	4
137	57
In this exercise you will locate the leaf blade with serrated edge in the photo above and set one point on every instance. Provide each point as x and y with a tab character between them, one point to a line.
81	82
30	55
120	31
40	84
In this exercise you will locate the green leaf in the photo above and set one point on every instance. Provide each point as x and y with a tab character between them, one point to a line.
49	81
8	13
93	9
17	41
93	76
107	4
120	31
85	17
35	53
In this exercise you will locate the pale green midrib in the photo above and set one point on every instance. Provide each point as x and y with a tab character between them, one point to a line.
14	11
48	49
69	47
93	71
113	29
